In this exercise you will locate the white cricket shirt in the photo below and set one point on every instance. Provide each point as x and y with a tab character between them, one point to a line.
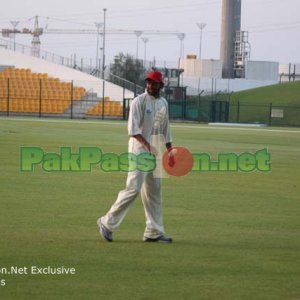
148	116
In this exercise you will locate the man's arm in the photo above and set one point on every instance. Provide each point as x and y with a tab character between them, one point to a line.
166	129
143	141
145	144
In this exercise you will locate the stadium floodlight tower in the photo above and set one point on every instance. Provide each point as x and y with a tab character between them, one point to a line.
231	23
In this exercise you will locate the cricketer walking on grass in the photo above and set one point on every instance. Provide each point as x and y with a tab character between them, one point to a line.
148	119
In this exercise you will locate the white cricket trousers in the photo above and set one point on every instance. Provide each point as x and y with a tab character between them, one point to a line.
150	188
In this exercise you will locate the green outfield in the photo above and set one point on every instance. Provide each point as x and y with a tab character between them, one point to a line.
236	235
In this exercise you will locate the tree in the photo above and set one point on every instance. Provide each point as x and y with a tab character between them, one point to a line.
127	67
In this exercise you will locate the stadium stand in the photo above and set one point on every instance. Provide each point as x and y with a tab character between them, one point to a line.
111	108
26	91
49	100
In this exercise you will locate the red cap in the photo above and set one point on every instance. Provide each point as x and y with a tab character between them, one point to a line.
155	76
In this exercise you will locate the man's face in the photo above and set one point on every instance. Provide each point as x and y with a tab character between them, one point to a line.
153	88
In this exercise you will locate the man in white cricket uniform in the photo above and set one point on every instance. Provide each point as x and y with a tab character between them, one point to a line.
148	124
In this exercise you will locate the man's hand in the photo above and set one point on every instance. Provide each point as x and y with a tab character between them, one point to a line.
145	144
150	148
171	155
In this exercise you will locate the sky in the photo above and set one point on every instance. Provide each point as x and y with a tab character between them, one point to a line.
273	26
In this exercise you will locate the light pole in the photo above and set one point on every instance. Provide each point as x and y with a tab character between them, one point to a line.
103	53
103	60
98	25
201	27
138	34
145	40
181	37
14	24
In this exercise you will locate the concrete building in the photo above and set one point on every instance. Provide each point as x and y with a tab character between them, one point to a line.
262	70
208	68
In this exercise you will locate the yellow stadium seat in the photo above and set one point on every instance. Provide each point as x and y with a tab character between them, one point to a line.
29	87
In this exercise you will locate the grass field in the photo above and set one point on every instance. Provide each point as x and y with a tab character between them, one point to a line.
236	235
254	105
287	93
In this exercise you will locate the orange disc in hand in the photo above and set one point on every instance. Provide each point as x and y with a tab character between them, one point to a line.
181	163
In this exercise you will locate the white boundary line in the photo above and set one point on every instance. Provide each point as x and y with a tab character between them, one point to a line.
238	128
100	122
77	121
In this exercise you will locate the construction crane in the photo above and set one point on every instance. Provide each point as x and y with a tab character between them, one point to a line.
38	31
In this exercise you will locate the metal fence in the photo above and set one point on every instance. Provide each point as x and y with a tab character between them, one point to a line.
49	97
203	110
26	93
270	114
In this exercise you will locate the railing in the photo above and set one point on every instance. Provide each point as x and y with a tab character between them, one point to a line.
137	89
48	56
70	63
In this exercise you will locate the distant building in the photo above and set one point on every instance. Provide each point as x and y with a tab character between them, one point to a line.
262	70
212	68
206	68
